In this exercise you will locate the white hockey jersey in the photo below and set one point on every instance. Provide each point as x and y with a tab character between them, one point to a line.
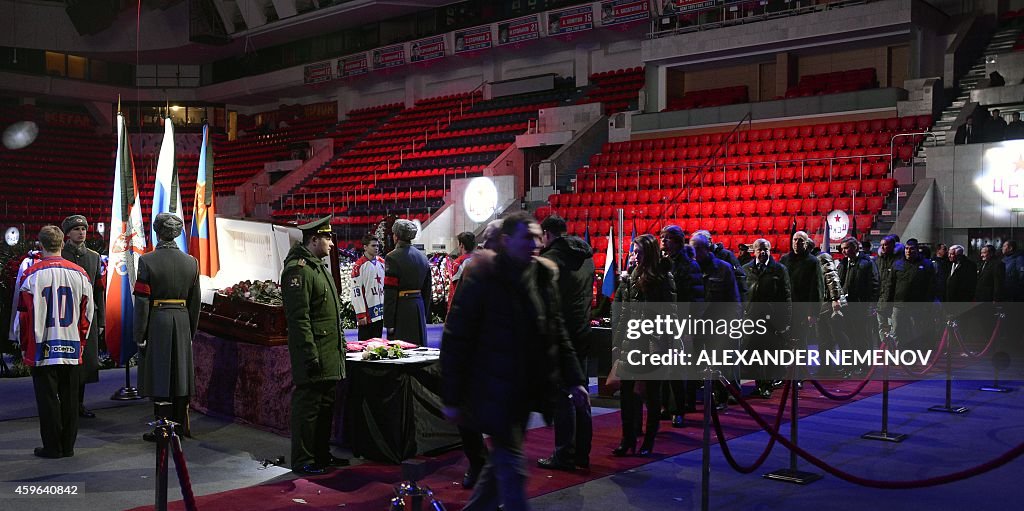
368	288
55	307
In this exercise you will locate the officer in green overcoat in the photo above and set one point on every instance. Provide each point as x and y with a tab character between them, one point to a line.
316	345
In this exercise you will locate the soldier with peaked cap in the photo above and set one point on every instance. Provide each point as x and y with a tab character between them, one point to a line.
166	318
76	227
407	287
316	346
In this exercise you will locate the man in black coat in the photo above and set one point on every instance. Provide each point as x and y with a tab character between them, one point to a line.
913	289
505	353
968	133
575	261
942	262
722	301
76	228
769	297
889	251
726	255
991	276
988	292
962	279
859	277
689	288
808	284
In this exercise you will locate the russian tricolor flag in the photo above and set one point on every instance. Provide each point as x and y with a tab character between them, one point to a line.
203	240
166	192
608	286
127	243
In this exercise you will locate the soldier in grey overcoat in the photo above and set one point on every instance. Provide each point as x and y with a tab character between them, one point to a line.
407	287
76	227
166	319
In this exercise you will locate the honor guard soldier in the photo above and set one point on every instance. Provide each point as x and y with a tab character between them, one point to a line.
316	345
407	287
76	227
166	318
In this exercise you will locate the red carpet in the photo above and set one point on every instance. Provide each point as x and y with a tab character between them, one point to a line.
369	486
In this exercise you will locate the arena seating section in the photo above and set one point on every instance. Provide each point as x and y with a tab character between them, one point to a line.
710	97
831	83
762	181
238	160
404	166
617	90
66	170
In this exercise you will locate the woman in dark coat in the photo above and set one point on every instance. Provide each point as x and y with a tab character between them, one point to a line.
650	281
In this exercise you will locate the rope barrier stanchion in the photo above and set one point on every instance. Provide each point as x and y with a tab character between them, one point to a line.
1000	361
169	444
884	434
951	326
793	474
705	459
986	466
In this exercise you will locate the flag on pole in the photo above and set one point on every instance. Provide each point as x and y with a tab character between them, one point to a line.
203	240
127	243
825	238
166	192
608	286
632	237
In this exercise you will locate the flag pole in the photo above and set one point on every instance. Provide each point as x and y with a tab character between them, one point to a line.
128	392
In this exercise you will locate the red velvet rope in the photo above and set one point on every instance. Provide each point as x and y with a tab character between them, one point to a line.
938	350
183	478
988	346
771	442
875	483
846	397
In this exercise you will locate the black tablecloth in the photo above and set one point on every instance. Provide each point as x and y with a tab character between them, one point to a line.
394	409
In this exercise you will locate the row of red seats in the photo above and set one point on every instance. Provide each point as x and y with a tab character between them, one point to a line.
730	209
858	187
831	83
618	75
710	97
810	172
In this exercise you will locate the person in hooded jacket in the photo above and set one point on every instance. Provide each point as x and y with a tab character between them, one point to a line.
689	288
575	261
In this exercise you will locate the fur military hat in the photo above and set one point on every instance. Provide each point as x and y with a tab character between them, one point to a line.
405	230
74	221
167	226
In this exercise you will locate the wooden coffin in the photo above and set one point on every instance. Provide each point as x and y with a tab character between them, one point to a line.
244	321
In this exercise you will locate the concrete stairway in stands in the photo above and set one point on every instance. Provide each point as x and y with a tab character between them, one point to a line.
1002	42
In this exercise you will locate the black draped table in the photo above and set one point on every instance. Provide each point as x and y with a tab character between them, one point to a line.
387	410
